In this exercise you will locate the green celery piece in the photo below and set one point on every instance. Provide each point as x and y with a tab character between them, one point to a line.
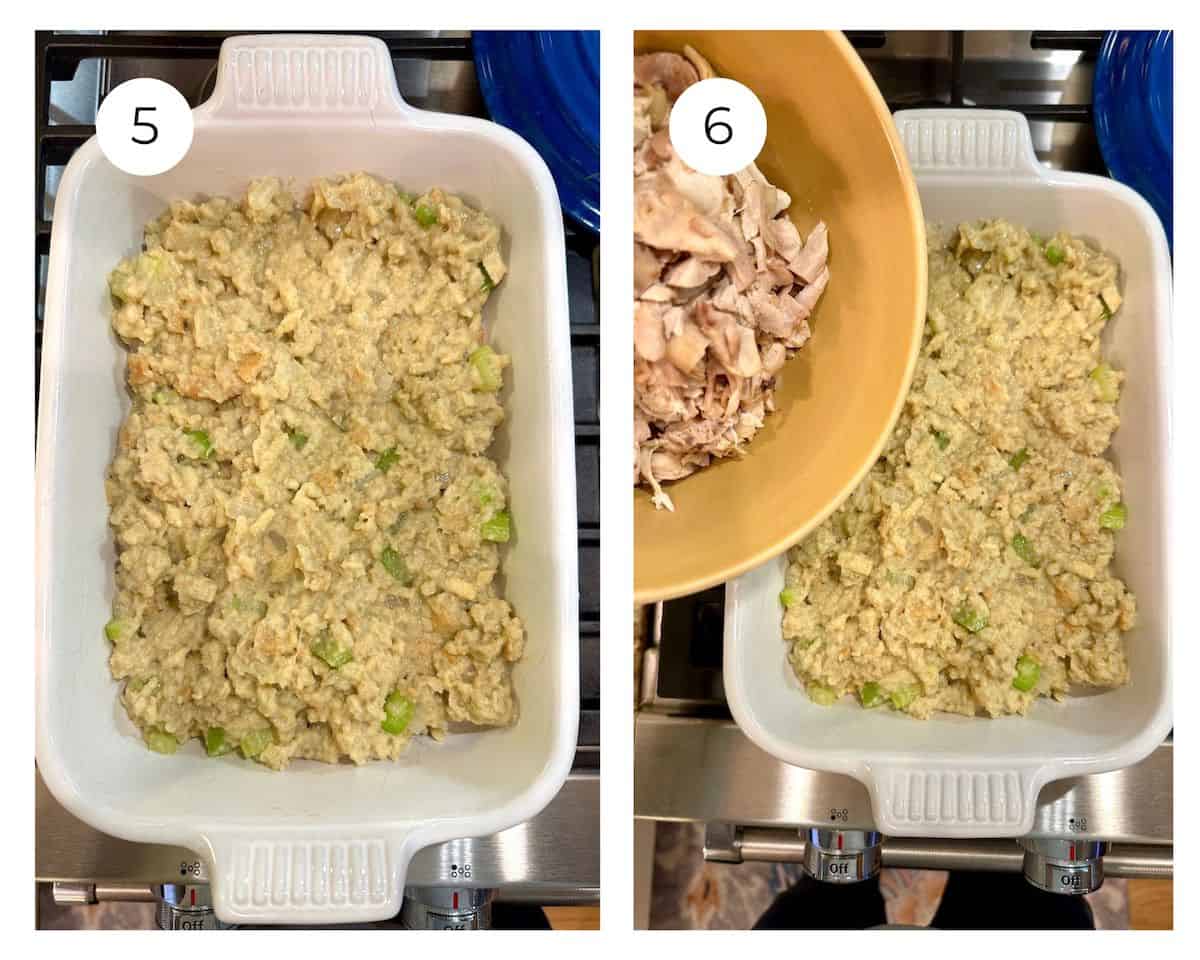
969	618
394	564
1114	517
1028	672
903	696
821	695
160	741
255	742
871	694
1019	459
1055	254
487	369
787	596
216	744
398	711
333	653
201	441
486	494
426	215
488	283
498	528
1024	549
386	460
1105	379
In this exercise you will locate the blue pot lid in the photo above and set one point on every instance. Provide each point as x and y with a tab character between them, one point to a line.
545	86
1134	101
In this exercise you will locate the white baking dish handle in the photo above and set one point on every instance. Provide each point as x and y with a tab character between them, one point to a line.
277	77
306	876
976	142
954	800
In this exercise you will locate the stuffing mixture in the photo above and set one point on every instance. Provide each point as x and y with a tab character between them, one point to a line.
307	521
969	572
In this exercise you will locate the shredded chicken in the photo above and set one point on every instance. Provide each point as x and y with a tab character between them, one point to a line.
723	288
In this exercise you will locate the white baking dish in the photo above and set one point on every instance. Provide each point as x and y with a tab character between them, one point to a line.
318	843
954	776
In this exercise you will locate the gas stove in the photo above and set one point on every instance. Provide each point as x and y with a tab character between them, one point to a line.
691	761
554	858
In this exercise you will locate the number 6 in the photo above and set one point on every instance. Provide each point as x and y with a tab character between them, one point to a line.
710	125
138	122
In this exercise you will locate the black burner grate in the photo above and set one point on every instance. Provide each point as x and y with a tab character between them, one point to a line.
59	57
1087	42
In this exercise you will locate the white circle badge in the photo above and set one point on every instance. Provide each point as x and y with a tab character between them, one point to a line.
144	127
718	126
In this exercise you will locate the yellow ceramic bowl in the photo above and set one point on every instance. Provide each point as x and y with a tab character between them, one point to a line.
832	145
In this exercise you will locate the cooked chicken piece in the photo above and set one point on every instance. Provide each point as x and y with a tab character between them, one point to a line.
754	210
680	438
641	433
723	290
667	465
659	293
726	297
772	316
808	263
646	268
773	358
750	421
645	474
777	273
687	349
666	219
778	201
706	192
667	70
691	272
791	305
642	124
807	297
782	236
648	338
747	362
663	403
720	329
662	148
674	319
741	271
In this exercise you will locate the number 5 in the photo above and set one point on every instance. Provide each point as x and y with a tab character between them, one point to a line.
710	125
139	122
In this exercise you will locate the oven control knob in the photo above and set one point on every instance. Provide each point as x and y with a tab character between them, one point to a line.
1071	867
842	856
446	908
187	906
